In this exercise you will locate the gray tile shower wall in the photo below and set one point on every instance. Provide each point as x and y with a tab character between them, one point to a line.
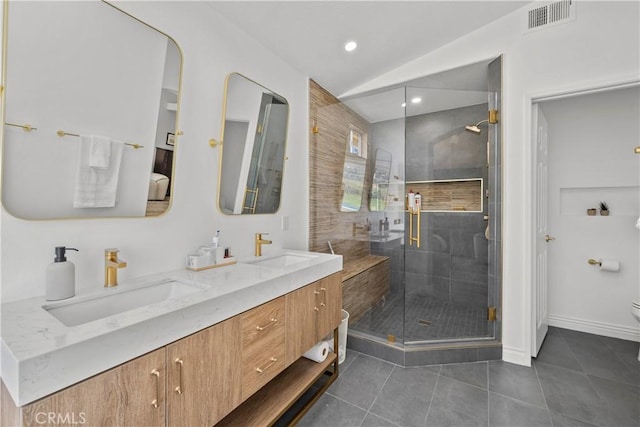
452	261
438	147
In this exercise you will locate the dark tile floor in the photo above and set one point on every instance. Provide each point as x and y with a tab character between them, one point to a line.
420	318
578	379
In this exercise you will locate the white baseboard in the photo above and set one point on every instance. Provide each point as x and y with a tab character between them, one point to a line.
517	356
594	327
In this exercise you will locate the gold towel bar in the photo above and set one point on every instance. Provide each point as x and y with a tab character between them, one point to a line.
62	133
26	127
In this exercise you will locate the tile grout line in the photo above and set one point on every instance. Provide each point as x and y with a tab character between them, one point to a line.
433	393
572	353
346	401
488	397
380	391
535	369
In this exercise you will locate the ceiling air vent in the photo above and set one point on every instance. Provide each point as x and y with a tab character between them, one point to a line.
552	13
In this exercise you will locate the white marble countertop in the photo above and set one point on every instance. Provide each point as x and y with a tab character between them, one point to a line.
39	355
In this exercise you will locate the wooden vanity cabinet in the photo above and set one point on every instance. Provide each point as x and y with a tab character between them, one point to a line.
200	379
203	375
132	394
195	381
312	313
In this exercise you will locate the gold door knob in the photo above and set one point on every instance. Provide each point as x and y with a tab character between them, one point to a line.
548	238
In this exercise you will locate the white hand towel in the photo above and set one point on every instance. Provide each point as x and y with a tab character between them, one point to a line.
99	151
95	187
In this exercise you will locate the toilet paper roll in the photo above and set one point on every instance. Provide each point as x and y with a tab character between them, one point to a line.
318	353
609	265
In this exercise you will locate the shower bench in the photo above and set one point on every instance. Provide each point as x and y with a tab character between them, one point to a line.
365	282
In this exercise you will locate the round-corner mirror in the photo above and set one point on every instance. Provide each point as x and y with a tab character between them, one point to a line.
253	150
91	111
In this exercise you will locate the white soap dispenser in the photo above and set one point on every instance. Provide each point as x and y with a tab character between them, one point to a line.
61	276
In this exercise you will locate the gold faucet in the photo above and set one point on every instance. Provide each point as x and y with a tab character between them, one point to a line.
260	241
111	266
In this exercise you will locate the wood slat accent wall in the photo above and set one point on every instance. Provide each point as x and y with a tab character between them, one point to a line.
326	159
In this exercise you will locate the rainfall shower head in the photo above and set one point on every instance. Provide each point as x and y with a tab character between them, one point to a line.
474	128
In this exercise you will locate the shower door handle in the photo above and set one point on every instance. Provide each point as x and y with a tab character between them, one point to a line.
548	238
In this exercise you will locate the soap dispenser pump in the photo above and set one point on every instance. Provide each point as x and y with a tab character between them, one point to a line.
61	276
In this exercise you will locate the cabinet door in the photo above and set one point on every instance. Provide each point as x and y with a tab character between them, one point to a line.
330	312
204	375
130	395
301	307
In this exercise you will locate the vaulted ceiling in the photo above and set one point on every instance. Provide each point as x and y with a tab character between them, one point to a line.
310	35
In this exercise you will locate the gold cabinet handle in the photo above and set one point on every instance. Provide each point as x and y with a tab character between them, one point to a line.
268	365
179	362
324	297
315	301
155	401
272	322
548	238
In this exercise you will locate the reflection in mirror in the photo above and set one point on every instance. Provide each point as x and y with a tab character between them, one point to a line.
353	172
254	139
110	84
380	182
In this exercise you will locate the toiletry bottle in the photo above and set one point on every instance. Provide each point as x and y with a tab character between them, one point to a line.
216	240
411	201
418	199
386	224
60	276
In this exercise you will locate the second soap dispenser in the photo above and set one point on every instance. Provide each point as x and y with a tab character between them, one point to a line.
61	276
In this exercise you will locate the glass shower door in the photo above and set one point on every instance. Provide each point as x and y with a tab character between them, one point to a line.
446	269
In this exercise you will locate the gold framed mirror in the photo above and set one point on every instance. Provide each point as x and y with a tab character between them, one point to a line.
91	104
254	135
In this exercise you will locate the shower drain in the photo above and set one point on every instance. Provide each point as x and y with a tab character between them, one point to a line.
424	322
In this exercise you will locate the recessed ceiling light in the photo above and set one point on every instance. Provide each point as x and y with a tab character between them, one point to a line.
416	100
350	46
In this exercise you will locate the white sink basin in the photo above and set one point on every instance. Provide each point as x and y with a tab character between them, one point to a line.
115	301
283	260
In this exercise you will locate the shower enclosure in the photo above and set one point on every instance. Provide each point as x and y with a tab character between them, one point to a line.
437	136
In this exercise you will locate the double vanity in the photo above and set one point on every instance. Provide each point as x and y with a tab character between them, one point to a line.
177	348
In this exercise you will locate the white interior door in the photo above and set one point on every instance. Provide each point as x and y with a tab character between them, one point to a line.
542	238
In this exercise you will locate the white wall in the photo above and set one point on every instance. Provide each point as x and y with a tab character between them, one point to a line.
601	47
591	159
212	48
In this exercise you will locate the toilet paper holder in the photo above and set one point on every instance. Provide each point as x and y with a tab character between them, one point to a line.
610	265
